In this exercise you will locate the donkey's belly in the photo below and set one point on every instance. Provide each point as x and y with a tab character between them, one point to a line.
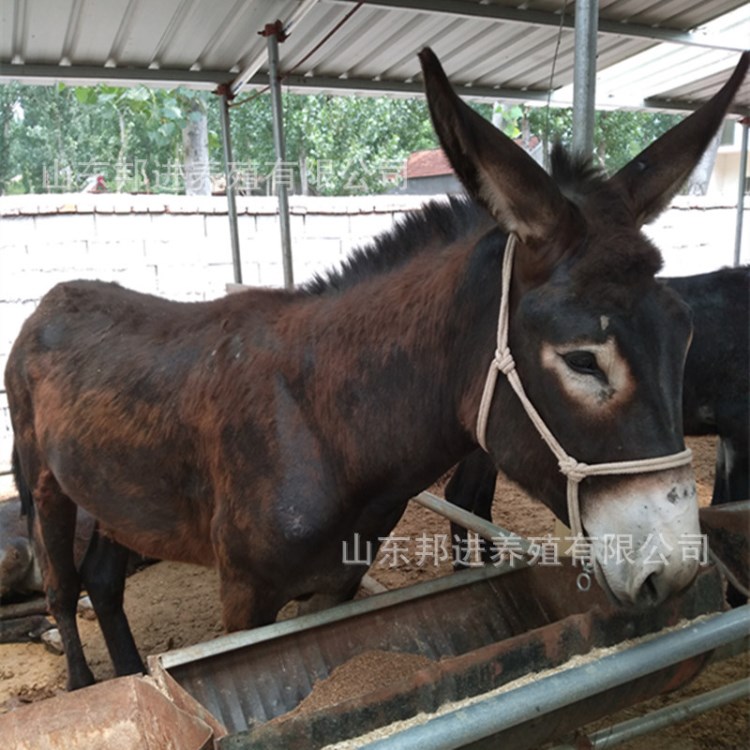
143	502
182	545
162	527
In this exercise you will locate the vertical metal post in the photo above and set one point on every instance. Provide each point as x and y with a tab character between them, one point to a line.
745	123
273	32
226	141
584	76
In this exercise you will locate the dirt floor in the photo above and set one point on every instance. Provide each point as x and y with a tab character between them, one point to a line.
171	605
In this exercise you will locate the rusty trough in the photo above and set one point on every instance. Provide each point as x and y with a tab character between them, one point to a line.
128	713
480	629
728	530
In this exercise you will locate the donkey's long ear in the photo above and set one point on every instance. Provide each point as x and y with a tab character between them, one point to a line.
650	181
494	170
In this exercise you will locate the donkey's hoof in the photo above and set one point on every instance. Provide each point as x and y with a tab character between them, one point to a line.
52	641
86	609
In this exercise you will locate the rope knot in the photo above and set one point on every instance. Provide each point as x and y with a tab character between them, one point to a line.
504	361
574	470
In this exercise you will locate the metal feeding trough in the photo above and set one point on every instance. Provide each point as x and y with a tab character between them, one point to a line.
479	630
728	529
494	659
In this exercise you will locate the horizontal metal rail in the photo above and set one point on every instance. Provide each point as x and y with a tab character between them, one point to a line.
497	713
484	528
665	717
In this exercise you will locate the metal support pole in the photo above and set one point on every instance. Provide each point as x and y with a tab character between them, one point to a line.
745	123
275	33
226	141
584	76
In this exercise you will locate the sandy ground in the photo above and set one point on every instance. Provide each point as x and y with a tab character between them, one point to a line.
172	605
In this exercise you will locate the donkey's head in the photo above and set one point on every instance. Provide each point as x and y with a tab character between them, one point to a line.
599	344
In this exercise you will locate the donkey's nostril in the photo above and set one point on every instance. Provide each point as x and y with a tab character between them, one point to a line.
648	594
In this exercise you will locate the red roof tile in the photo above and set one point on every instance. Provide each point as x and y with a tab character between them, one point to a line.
430	163
434	162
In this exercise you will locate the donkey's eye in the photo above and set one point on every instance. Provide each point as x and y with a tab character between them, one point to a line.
583	362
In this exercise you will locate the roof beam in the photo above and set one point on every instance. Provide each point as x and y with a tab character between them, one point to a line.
370	87
88	75
492	12
676	105
405	88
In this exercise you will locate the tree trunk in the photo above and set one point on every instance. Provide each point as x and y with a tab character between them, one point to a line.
195	147
303	178
121	167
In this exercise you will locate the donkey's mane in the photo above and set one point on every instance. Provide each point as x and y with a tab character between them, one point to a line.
441	222
576	174
620	263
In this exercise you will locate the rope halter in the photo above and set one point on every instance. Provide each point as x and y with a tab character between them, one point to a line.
575	471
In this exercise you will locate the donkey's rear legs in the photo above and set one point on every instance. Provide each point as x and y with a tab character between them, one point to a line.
56	522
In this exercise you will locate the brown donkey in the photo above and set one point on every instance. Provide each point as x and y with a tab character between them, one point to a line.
259	431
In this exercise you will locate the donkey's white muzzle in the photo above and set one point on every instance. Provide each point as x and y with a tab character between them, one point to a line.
645	534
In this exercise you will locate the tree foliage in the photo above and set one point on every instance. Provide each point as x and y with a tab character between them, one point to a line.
618	135
56	137
334	145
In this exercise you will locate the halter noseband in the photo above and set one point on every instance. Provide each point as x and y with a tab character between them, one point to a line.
574	470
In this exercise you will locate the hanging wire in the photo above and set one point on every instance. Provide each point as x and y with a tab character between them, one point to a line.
551	82
324	39
304	59
251	97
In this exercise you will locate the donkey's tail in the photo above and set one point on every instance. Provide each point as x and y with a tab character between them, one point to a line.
24	492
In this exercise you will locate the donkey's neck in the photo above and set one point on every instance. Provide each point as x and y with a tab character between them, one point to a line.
397	363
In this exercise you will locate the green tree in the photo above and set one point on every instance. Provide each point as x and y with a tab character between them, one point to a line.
149	125
334	145
43	135
8	110
54	138
619	136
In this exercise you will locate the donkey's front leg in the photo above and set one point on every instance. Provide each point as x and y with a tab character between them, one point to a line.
55	526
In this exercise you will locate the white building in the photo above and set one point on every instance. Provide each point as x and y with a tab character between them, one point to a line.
726	170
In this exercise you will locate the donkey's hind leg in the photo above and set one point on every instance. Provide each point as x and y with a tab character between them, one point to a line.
103	573
56	522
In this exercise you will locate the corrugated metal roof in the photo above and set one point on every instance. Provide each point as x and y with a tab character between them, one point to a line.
671	76
496	49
